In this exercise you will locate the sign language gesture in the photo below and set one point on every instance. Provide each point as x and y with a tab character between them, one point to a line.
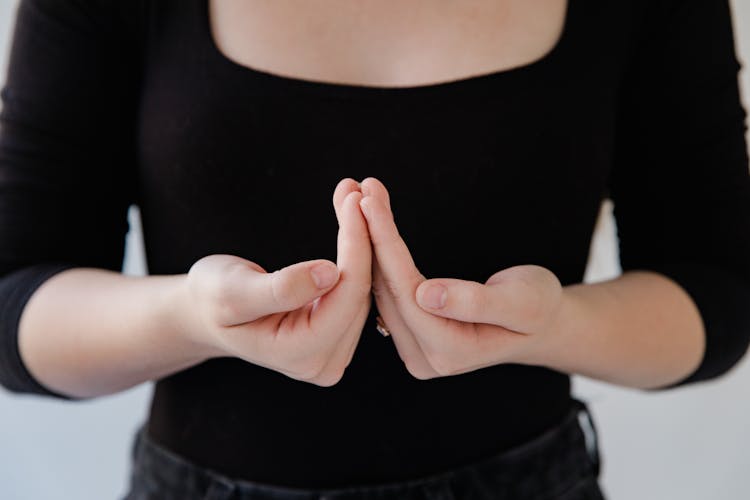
303	324
448	326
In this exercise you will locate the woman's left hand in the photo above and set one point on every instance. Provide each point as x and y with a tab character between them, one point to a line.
511	318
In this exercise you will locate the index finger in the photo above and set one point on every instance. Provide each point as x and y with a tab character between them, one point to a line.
354	260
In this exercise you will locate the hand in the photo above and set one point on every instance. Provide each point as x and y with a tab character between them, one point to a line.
507	319
283	320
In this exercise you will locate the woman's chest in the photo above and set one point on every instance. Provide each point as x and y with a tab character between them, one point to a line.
385	43
226	146
204	115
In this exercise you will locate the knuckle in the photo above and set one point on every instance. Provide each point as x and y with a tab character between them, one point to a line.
361	288
330	377
283	290
534	303
391	287
222	295
310	367
206	264
475	302
443	363
223	283
417	371
444	368
378	291
219	289
533	307
224	312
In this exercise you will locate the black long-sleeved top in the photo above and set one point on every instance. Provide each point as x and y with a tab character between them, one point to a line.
108	104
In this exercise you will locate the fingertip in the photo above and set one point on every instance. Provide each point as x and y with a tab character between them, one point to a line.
367	205
364	186
370	179
372	186
343	188
347	180
351	201
354	195
354	183
369	185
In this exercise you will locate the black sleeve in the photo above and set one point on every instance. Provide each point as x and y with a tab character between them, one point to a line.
67	175
681	185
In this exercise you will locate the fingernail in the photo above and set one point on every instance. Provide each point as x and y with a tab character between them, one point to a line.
323	275
435	296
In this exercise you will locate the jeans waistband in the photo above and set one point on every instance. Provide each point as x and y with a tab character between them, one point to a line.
550	462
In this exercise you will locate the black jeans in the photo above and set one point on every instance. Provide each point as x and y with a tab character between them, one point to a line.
561	464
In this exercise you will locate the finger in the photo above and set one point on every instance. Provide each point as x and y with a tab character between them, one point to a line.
345	347
485	310
406	344
400	275
247	294
343	350
517	298
354	262
354	250
345	309
445	339
461	300
371	186
343	188
400	278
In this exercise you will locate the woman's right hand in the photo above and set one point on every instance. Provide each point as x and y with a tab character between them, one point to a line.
283	320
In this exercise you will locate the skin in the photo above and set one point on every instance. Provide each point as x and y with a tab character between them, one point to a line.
385	42
87	332
639	330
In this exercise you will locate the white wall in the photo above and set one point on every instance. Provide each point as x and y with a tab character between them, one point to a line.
688	443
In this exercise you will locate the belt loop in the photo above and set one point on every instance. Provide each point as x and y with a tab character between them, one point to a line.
586	421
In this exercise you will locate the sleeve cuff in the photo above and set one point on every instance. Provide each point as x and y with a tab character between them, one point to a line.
723	300
16	289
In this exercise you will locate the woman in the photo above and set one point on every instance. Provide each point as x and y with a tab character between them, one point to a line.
470	146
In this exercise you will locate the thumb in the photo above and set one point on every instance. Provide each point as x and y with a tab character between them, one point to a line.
457	299
516	298
249	295
292	287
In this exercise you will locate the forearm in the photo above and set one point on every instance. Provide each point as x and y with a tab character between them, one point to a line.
639	330
87	332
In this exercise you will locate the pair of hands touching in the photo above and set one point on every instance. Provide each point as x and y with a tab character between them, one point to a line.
305	320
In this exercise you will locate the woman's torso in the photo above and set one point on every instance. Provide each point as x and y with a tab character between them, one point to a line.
485	172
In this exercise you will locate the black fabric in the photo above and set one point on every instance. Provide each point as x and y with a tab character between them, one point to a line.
15	289
561	463
680	182
109	104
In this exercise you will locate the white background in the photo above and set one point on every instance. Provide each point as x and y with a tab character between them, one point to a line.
688	443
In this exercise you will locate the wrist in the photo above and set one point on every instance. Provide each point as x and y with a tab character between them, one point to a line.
560	345
633	331
182	325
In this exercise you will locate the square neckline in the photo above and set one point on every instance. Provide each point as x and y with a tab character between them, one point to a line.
469	84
